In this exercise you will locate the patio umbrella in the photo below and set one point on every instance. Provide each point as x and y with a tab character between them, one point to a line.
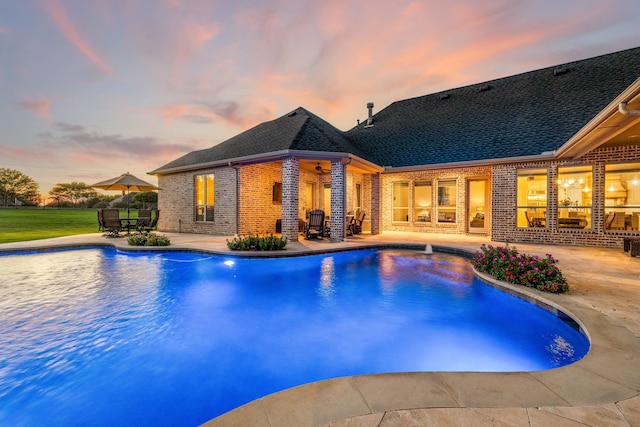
125	182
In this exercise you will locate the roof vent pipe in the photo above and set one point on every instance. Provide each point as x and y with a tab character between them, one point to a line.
370	119
622	107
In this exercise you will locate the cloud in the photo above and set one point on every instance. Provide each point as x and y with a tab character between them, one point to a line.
229	113
37	105
66	127
83	146
23	153
59	15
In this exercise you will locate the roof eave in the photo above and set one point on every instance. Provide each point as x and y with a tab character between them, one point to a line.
471	163
270	157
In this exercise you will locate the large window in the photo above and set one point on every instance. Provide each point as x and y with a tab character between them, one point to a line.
622	197
532	198
422	201
358	198
204	197
575	193
447	201
400	201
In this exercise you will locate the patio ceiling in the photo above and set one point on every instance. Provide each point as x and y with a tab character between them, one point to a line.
610	128
356	166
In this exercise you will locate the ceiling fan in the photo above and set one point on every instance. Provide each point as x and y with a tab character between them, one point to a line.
321	170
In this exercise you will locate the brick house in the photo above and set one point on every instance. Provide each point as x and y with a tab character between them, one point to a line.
550	156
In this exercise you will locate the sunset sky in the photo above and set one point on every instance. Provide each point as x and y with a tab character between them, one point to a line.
94	88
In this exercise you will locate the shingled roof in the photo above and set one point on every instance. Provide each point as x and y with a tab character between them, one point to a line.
297	130
522	115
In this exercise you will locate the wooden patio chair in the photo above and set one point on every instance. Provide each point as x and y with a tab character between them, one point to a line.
355	227
315	226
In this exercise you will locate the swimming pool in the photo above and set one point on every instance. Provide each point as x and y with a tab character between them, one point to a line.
177	338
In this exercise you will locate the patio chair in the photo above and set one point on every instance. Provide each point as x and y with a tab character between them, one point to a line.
100	221
144	219
111	222
315	226
355	226
148	228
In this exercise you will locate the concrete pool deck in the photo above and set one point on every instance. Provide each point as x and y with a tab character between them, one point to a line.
602	389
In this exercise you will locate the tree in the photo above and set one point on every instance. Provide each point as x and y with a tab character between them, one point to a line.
147	198
16	185
74	192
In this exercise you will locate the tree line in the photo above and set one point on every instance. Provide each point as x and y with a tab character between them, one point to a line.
18	189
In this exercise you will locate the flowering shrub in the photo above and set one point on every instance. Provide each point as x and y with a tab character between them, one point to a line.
505	263
257	243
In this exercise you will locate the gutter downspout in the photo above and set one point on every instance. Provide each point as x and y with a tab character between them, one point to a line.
622	107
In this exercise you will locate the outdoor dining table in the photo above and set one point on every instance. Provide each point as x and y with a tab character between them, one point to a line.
128	224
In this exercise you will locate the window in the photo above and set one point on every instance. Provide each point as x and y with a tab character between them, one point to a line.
575	191
276	196
309	198
326	200
447	201
622	197
532	198
358	200
400	201
204	197
422	201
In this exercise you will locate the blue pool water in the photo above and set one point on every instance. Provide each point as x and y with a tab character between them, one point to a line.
98	337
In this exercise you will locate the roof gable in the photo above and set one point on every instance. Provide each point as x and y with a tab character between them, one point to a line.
297	130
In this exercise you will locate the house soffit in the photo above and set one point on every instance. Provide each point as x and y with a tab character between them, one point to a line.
609	128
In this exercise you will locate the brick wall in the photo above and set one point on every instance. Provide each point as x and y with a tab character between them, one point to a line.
504	202
176	202
460	175
257	210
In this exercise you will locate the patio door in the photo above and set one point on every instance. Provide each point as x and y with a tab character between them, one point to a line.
478	199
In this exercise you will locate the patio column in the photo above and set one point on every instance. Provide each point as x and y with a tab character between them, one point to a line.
376	197
338	200
290	180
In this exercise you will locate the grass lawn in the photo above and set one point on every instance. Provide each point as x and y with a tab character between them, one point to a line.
18	225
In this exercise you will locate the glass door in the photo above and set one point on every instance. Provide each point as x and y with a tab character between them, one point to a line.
477	203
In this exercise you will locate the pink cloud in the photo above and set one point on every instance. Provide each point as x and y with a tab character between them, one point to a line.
37	105
229	113
25	153
59	15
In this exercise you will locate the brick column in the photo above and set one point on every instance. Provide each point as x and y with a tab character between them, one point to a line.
376	205
290	179
338	200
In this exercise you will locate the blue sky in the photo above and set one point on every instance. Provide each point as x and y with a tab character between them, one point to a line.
91	89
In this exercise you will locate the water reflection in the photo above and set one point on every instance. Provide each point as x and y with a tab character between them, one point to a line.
327	286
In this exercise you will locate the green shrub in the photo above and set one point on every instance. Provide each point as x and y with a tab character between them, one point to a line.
150	239
506	264
257	243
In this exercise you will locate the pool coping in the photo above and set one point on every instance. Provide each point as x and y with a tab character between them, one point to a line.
607	374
